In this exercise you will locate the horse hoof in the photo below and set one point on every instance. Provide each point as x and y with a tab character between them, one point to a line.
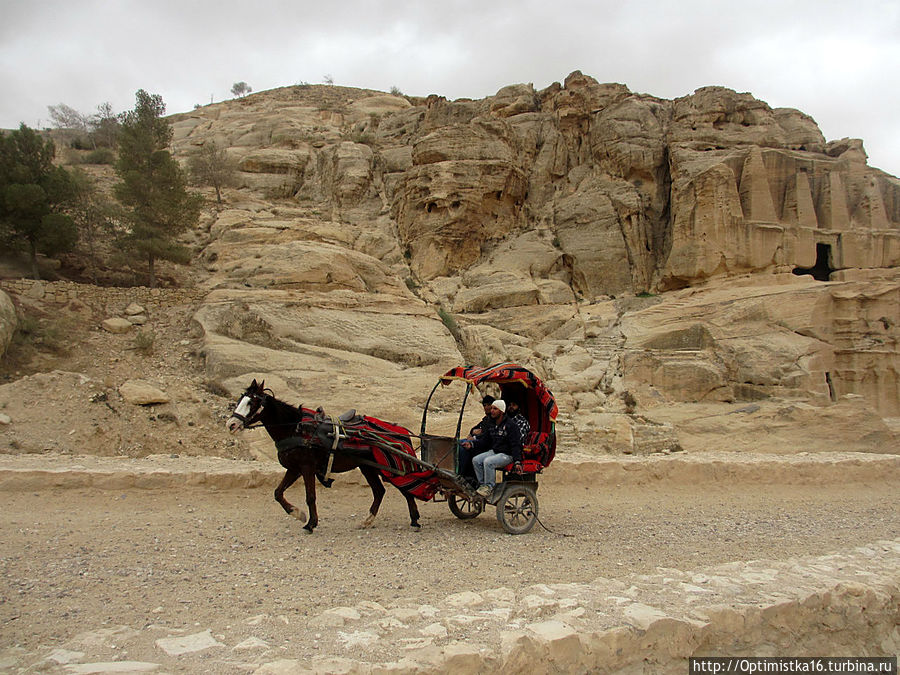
367	523
300	515
308	529
415	526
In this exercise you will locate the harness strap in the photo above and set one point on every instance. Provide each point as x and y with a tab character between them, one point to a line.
289	443
337	428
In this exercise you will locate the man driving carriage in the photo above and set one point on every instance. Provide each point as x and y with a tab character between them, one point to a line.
500	443
466	469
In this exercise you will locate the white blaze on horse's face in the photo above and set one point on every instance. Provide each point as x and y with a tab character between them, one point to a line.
233	424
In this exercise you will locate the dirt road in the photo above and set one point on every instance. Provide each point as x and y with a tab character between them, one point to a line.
106	574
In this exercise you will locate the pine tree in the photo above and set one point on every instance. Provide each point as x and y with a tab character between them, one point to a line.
33	194
152	188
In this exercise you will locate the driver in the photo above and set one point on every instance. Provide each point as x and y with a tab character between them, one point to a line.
500	443
465	449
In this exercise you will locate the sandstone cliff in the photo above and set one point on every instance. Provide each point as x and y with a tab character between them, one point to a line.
637	252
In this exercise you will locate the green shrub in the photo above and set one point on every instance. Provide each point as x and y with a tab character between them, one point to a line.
100	156
143	341
33	333
450	323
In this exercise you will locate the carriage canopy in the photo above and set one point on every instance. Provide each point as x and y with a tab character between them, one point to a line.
517	384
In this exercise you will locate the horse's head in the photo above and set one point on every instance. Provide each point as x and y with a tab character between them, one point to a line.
249	407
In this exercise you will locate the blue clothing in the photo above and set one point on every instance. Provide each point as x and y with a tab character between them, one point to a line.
486	465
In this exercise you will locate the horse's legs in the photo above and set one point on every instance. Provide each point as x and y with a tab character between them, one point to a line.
413	510
309	481
374	480
290	476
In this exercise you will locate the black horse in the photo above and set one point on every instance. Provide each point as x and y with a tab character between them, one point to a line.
307	454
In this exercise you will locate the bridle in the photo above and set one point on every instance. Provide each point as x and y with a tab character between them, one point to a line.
257	403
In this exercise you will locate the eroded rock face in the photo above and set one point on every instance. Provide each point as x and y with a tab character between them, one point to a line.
591	233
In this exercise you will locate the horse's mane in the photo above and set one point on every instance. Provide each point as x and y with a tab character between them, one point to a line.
285	406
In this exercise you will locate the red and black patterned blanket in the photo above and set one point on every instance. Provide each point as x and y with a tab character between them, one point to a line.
389	446
389	443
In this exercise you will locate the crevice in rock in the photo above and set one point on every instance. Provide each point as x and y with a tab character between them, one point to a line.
831	393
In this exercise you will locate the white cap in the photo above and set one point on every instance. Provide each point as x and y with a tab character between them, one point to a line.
500	405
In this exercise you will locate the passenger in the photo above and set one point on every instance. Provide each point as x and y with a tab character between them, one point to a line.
515	414
500	444
466	470
486	403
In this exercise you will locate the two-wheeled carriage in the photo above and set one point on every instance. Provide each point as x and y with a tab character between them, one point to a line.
515	495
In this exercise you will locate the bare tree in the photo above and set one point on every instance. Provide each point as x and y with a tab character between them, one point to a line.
94	215
105	125
211	165
241	89
66	117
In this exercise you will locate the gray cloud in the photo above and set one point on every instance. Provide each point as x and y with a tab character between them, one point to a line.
834	60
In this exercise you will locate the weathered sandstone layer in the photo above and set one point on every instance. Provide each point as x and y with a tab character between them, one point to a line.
637	252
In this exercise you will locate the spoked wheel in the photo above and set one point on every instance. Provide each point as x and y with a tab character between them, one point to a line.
463	508
517	509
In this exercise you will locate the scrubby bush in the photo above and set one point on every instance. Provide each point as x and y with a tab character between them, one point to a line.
100	156
143	341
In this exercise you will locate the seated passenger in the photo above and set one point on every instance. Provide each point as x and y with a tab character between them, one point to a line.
486	403
466	470
515	414
500	444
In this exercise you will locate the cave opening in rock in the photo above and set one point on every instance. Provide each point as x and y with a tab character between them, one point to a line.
822	270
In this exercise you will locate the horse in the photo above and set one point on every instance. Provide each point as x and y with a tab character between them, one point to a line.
303	452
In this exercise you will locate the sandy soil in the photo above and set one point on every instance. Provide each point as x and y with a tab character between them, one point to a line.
106	574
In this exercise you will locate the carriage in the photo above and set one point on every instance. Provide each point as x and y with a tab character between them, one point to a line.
515	496
314	445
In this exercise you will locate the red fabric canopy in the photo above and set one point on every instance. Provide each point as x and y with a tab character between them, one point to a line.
516	384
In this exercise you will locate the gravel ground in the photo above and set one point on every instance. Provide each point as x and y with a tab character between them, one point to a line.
167	562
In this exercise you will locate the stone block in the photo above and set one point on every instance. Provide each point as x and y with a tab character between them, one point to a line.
117	325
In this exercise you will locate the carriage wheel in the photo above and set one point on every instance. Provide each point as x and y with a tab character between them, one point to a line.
517	509
463	508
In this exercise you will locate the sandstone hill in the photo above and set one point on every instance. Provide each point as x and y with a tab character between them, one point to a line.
701	274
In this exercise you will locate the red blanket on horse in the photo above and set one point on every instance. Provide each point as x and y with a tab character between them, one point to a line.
388	443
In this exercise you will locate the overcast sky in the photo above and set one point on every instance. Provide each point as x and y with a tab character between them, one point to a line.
836	60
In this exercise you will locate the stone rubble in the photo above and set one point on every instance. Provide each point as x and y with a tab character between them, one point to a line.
820	605
805	606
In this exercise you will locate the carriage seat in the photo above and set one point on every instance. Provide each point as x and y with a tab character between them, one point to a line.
534	453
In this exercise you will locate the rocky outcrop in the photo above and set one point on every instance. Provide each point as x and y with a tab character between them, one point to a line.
589	232
750	342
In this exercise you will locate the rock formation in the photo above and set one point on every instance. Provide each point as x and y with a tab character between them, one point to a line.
707	249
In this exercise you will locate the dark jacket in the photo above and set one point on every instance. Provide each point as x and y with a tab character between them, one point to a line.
502	438
485	422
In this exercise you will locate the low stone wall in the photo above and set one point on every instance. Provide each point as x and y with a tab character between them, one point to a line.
28	472
106	298
842	604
